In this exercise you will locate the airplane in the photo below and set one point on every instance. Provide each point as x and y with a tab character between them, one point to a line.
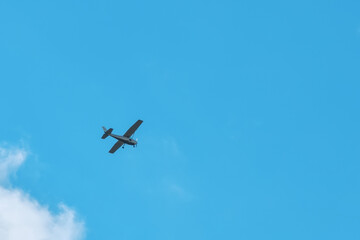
125	139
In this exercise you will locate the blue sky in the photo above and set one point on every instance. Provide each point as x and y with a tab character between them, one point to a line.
250	108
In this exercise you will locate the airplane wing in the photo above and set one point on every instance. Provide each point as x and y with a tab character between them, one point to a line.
116	146
133	128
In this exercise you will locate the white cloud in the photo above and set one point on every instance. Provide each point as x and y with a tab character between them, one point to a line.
10	161
22	217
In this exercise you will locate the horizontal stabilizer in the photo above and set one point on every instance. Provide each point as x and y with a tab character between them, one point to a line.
107	132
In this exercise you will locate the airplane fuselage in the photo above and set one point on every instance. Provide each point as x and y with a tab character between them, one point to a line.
126	140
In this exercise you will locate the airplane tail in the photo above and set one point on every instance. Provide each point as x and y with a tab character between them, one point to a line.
107	132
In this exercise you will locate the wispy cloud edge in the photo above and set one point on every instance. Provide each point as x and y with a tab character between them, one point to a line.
22	217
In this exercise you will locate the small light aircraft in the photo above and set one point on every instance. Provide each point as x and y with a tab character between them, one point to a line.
126	139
